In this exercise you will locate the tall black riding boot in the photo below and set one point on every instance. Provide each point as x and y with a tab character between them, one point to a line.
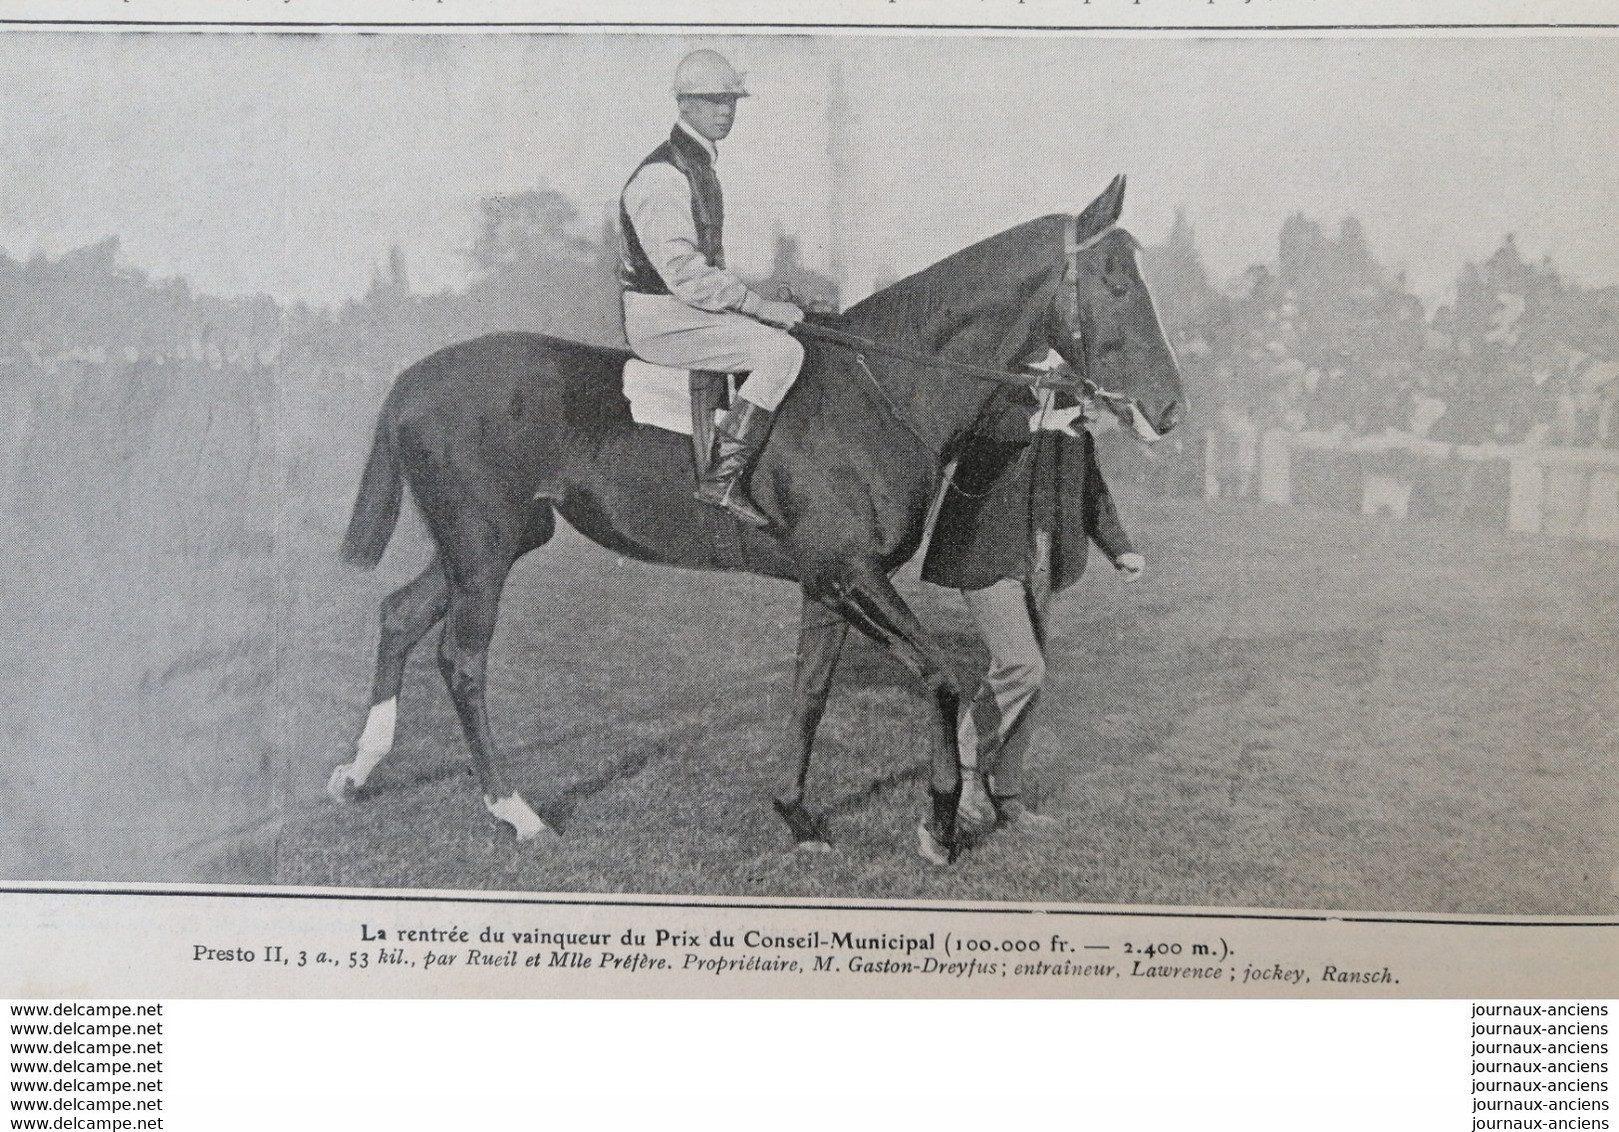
741	436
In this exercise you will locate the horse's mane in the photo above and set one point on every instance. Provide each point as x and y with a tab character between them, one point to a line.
909	312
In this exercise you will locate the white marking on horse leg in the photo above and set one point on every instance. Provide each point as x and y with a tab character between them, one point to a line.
375	741
378	737
515	812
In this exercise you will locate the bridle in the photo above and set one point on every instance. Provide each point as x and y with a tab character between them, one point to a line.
1116	403
1063	378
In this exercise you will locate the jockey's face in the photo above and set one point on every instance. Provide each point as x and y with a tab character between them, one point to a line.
711	115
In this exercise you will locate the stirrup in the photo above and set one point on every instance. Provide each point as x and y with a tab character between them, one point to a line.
728	495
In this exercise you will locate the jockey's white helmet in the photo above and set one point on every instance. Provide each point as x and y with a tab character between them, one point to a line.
708	72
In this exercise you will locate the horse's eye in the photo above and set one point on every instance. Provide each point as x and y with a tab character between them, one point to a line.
1115	277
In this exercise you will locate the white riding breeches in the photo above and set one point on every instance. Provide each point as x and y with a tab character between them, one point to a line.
666	332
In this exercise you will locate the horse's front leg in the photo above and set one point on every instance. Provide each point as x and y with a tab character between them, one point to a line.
821	633
869	600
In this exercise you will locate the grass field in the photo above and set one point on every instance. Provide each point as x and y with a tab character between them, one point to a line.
1295	709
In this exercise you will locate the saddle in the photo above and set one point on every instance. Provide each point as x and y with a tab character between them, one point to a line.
678	400
689	402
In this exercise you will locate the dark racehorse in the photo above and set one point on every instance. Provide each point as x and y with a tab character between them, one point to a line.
498	435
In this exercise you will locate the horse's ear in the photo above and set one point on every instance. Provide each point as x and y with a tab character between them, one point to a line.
1103	212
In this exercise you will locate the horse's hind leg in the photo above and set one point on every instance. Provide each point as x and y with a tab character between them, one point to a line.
464	660
476	580
821	634
407	614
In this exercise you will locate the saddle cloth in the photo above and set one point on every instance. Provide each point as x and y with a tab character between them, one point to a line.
658	395
661	396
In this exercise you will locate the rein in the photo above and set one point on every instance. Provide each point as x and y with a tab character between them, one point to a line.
1062	378
1036	381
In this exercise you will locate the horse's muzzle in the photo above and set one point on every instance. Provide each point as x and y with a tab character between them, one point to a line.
1140	423
1174	413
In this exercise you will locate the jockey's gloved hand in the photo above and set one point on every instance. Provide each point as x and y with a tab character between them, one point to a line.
1057	420
784	315
1130	566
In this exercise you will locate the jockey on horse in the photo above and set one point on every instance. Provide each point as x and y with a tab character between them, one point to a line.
682	307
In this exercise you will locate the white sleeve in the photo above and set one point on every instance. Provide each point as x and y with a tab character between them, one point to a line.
658	201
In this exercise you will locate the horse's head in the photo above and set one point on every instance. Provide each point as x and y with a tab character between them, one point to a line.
1015	296
1106	326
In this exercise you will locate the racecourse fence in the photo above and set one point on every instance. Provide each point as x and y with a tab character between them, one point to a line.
1555	491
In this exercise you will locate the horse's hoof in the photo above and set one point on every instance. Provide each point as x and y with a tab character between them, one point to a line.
807	834
341	787
933	851
1014	817
544	835
975	812
515	812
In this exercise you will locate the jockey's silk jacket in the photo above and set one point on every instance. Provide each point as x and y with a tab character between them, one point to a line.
671	221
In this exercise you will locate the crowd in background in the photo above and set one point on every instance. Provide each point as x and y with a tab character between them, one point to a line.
1326	339
1323	339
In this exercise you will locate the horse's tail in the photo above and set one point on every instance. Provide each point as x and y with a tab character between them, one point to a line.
376	508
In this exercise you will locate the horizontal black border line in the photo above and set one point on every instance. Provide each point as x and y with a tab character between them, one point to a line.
782	906
710	25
